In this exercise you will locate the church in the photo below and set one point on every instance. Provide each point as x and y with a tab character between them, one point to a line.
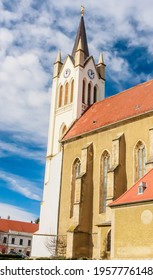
98	188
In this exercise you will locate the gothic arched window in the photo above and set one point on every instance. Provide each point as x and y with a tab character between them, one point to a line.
140	160
108	241
75	173
95	94
83	92
63	129
105	164
60	96
89	93
72	91
66	94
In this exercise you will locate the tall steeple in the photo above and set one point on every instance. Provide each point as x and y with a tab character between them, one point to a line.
75	86
81	34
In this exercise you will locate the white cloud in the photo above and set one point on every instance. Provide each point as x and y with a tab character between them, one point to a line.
26	59
25	101
21	185
9	149
15	213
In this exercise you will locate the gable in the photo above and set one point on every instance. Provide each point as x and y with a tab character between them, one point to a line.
68	64
133	195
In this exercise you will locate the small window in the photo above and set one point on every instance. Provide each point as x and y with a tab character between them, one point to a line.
141	188
21	242
29	242
13	241
5	240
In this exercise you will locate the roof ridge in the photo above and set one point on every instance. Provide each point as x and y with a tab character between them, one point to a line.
119	93
1	219
139	98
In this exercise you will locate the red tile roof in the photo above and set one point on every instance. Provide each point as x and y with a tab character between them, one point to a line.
129	103
6	225
132	196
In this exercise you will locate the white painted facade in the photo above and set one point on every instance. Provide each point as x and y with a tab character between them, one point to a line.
16	241
61	116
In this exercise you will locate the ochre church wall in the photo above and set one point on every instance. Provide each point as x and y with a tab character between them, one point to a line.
132	131
133	238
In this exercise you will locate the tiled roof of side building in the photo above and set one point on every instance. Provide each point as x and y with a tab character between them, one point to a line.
6	225
133	196
129	103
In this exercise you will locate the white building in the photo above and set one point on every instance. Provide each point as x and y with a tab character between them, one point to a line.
16	236
77	83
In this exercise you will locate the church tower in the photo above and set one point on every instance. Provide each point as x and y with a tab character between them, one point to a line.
77	83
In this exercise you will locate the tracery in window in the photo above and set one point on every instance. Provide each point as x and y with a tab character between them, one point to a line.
140	160
105	164
75	173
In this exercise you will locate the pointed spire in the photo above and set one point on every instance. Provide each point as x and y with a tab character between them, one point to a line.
101	67
58	57
101	59
57	65
79	54
80	47
81	33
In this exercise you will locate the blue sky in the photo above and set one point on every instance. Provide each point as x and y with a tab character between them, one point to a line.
31	33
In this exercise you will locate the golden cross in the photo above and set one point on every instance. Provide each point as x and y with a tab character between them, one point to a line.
82	10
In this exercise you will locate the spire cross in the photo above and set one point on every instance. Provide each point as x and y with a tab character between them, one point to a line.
82	10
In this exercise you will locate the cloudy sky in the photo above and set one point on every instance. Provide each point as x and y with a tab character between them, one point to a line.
31	33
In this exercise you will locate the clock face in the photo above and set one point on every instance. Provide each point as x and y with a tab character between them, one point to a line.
91	74
67	73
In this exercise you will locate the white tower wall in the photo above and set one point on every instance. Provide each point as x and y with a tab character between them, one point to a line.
65	115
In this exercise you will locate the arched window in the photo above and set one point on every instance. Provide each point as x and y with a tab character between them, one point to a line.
140	160
60	96
105	164
95	94
108	241
72	91
75	173
89	93
77	168
66	94
83	92
63	129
